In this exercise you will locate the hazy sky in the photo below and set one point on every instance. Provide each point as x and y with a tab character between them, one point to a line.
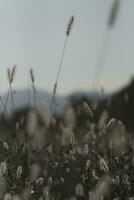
32	34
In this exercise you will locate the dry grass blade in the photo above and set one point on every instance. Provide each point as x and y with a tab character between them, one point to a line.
33	85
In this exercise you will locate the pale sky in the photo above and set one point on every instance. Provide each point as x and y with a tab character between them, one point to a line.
32	34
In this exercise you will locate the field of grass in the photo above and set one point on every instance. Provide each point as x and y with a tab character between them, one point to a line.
85	154
46	157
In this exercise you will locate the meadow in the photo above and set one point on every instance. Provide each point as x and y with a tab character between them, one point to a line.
87	153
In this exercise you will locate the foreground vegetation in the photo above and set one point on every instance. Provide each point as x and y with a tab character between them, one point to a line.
49	158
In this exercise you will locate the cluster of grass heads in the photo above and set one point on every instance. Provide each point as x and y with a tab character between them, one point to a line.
46	159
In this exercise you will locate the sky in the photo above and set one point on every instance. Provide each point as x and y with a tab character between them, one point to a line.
32	34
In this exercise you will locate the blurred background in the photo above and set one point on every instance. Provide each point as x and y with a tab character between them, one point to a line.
95	60
33	33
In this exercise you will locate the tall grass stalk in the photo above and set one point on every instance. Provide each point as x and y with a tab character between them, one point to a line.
7	97
104	48
11	75
12	97
68	31
28	93
33	86
101	59
4	107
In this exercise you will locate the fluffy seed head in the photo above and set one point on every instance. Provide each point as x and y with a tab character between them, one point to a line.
13	73
17	126
72	139
5	145
94	105
111	123
40	180
7	196
9	75
88	109
103	120
113	14
19	172
86	149
55	88
3	168
70	24
32	75
49	183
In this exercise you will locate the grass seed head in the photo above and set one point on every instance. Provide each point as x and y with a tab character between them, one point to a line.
114	12
70	24
87	109
13	72
32	75
9	75
19	172
7	196
111	123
